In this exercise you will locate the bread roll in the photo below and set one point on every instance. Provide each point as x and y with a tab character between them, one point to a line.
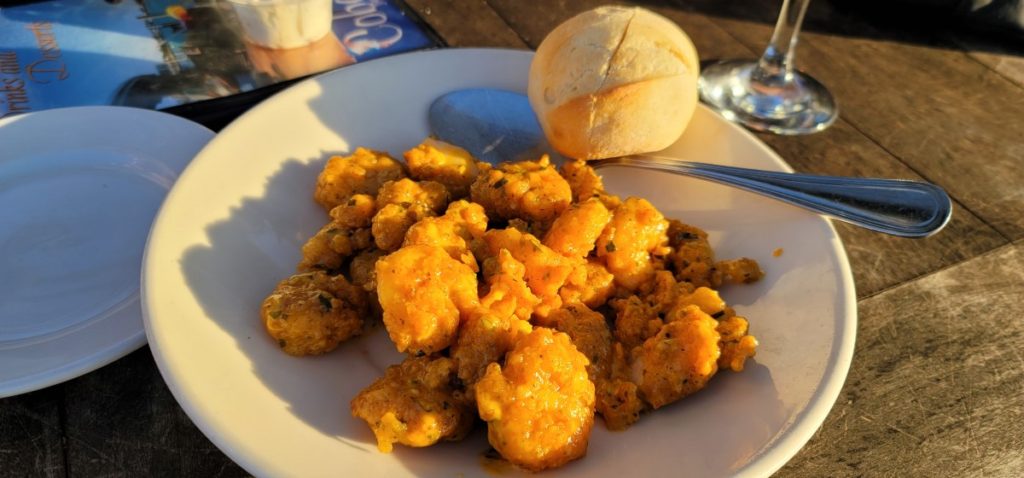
614	81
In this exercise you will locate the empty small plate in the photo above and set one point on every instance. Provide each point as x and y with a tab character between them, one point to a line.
79	188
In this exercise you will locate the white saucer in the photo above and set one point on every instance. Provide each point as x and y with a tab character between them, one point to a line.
79	188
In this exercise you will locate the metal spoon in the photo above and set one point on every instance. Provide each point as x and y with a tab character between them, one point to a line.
496	125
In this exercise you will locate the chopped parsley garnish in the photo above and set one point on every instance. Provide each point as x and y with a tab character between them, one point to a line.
325	302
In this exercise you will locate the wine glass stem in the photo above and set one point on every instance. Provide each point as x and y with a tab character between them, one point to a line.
775	68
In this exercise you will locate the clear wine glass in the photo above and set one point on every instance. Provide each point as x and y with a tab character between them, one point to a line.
770	94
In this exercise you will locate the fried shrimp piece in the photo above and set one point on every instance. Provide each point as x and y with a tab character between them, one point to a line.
435	160
704	298
739	271
539	407
575	231
424	293
692	256
311	313
546	270
663	292
461	224
589	283
400	205
679	360
583	180
619	403
585	184
391	223
483	339
589	333
503	317
636	231
694	261
618	398
346	234
639	317
355	212
635	320
361	269
428	195
668	294
538	229
529	190
329	247
507	294
362	274
361	173
414	404
737	345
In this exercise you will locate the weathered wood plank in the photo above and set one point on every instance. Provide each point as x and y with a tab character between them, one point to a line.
123	421
937	382
533	24
466	23
31	440
950	118
878	261
1005	58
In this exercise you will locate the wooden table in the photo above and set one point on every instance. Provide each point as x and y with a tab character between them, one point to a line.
937	382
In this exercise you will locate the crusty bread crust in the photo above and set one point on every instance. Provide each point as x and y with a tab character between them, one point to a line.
641	117
567	127
614	81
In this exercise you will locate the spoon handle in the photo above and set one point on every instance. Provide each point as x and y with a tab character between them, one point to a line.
892	206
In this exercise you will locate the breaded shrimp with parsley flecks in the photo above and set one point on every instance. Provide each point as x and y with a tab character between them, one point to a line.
539	406
414	404
424	294
362	172
311	313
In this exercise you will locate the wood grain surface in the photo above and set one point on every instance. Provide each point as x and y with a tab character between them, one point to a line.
931	106
466	23
937	382
32	434
124	421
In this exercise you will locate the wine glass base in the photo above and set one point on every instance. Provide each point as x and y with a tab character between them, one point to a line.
799	105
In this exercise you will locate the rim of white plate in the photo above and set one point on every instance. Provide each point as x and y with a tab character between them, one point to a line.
127	310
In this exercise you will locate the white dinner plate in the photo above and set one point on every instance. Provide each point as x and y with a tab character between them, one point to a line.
79	188
233	224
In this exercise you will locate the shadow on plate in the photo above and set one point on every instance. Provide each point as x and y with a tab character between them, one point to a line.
243	245
317	390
